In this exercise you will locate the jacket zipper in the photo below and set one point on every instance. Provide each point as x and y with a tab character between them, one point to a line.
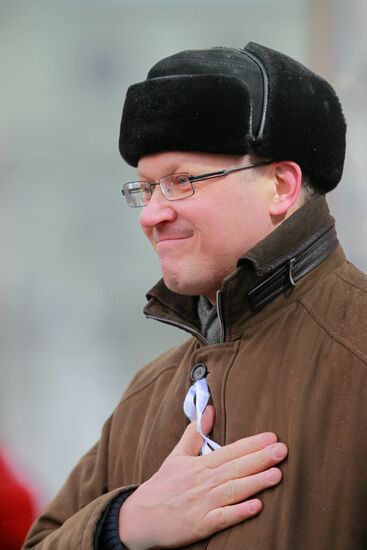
186	328
221	322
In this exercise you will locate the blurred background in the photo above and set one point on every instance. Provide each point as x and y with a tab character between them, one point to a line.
74	267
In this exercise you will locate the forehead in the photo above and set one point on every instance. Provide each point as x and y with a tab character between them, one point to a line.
161	164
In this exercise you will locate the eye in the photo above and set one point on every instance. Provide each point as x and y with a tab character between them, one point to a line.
181	180
168	190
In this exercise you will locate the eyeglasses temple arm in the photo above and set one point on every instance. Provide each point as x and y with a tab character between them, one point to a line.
244	167
208	175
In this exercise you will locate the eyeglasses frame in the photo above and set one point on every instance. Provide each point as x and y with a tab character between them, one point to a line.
194	179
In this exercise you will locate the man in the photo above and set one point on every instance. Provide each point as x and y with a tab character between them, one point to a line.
235	151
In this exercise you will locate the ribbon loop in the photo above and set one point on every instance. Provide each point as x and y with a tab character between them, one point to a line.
195	403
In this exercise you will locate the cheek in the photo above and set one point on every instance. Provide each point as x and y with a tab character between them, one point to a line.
238	225
215	238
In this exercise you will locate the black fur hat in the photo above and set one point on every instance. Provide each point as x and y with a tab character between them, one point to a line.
229	101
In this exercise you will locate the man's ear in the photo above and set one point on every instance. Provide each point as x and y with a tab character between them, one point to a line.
287	188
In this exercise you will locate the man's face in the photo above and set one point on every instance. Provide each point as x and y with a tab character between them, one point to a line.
200	238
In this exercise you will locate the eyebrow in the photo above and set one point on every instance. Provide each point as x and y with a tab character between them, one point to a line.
168	172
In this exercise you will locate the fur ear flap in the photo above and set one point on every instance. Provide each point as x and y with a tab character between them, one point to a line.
304	120
208	113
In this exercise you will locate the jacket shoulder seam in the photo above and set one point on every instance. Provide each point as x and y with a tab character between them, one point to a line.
331	333
132	392
349	283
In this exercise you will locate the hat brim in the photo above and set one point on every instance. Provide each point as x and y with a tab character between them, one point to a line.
207	113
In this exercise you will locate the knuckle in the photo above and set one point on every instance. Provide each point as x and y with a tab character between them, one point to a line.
219	522
265	458
228	453
261	462
200	479
233	466
230	491
205	478
190	429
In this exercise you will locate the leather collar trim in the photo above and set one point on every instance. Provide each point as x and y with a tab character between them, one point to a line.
297	267
294	249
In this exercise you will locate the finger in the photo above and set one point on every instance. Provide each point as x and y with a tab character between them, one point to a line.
208	419
221	518
191	441
240	448
252	463
238	490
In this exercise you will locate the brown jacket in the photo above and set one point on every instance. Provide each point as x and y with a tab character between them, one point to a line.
295	366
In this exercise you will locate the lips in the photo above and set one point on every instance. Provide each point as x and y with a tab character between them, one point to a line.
172	243
164	239
161	236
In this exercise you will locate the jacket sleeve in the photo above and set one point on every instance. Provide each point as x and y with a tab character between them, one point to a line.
70	520
107	536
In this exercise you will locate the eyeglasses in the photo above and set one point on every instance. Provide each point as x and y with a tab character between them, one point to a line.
175	186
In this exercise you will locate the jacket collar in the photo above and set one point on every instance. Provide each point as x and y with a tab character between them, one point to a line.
270	274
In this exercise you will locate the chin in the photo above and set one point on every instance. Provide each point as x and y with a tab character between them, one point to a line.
179	287
191	280
187	287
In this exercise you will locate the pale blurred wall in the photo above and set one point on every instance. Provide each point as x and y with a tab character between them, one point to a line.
74	266
348	66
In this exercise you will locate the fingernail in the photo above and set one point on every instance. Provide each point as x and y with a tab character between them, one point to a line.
273	476
278	451
253	506
268	439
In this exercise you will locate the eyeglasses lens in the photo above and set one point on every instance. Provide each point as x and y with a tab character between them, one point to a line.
176	186
137	193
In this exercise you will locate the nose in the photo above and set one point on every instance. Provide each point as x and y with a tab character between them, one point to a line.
158	210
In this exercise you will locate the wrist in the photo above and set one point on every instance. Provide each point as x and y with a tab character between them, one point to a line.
107	532
132	530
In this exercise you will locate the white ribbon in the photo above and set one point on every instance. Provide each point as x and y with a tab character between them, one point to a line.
194	405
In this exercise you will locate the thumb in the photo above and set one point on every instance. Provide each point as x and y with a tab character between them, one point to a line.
191	441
